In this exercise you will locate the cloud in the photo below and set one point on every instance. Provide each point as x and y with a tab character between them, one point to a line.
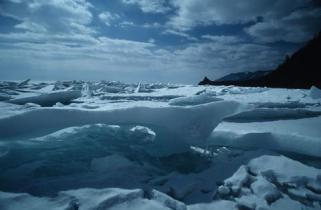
54	16
218	59
84	53
297	27
272	20
31	26
126	23
222	38
60	36
68	46
179	33
153	25
150	6
191	13
107	17
151	40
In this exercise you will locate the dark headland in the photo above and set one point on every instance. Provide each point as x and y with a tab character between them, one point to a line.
301	70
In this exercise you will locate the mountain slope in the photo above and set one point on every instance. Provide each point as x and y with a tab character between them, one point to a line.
301	70
243	76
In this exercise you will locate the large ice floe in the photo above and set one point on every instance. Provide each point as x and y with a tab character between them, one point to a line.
110	145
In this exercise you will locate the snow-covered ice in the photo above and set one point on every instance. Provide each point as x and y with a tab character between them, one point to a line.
111	145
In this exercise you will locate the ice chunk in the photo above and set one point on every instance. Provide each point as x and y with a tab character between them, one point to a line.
89	199
190	124
265	189
102	199
288	104
112	162
215	205
223	190
287	203
47	89
314	186
269	141
140	204
24	83
282	135
167	200
86	91
48	99
249	202
8	201
4	97
139	97
193	100
239	179
180	186
137	88
91	156
144	133
283	168
276	182
315	92
261	114
134	135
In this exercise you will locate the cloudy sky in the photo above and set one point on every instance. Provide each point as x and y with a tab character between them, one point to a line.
150	40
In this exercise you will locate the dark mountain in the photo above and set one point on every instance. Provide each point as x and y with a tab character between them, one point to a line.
301	70
243	76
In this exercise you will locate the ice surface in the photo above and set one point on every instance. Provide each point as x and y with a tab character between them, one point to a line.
170	146
239	179
268	185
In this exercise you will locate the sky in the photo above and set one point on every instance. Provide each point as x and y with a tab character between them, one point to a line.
177	41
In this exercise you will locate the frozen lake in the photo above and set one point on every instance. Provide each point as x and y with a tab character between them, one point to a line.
110	145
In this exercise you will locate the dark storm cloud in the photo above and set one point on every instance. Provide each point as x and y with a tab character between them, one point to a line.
299	26
191	13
